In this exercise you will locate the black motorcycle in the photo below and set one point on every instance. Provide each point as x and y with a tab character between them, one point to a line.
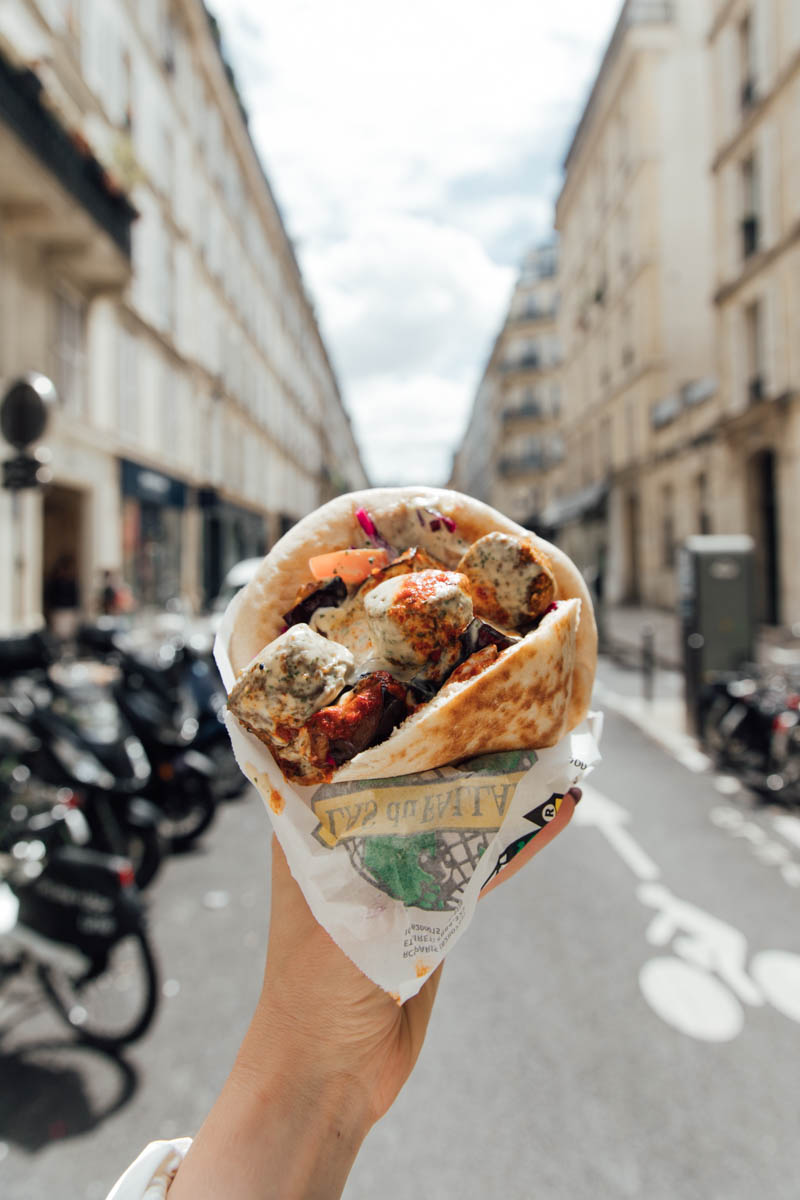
72	922
750	724
160	711
69	732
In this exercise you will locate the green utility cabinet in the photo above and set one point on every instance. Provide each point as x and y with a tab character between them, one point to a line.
717	610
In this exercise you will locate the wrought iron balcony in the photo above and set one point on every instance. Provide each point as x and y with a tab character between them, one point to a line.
523	464
73	165
531	408
545	312
526	362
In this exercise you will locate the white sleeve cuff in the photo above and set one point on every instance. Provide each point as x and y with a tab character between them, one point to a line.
152	1172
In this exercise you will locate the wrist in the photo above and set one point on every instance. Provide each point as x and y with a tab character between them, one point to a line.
286	1127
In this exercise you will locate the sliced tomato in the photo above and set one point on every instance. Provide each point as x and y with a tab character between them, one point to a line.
352	566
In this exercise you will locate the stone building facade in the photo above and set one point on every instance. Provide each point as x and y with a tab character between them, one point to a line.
755	161
198	415
635	222
513	438
679	307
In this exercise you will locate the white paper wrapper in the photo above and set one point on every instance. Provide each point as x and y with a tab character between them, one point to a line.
392	868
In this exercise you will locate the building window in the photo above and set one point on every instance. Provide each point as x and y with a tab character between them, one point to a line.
750	206
667	527
701	504
747	63
754	349
626	340
606	460
169	404
127	384
70	357
127	92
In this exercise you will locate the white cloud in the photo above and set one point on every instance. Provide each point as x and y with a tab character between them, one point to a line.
416	154
410	426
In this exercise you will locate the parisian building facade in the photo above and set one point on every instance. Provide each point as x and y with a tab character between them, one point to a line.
755	162
678	315
145	267
513	438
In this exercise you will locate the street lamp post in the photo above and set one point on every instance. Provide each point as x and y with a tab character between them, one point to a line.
24	414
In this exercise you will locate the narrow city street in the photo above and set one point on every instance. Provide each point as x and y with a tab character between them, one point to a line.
621	1020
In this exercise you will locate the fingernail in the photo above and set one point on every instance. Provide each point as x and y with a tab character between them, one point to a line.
576	793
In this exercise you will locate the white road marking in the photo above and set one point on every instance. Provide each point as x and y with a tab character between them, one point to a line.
609	817
701	984
727	785
778	974
691	1001
766	850
788	827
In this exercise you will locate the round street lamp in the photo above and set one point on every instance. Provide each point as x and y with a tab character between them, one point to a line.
24	412
26	408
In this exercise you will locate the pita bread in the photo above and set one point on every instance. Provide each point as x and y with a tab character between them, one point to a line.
531	696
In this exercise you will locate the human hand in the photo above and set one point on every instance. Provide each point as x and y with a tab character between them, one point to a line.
325	1056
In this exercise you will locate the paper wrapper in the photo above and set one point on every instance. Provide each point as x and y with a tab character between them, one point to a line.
393	868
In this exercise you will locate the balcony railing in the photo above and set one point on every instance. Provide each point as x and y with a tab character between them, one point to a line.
517	412
750	232
80	173
524	464
526	362
538	313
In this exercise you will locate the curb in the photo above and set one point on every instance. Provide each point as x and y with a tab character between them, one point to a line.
654	719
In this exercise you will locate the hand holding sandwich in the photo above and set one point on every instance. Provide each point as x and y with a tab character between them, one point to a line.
324	1058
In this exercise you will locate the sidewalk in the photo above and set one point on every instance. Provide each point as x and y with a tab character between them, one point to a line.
620	689
623	630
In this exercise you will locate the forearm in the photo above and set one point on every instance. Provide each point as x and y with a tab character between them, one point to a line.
280	1130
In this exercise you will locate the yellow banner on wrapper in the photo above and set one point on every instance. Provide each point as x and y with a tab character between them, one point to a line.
389	807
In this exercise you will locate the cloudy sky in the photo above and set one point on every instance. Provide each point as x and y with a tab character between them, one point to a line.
415	151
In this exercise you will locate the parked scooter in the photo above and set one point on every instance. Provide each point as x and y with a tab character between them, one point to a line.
161	714
72	921
69	733
751	725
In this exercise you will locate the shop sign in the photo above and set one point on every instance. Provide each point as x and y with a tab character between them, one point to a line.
146	484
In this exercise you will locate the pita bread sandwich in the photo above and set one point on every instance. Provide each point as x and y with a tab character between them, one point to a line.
399	629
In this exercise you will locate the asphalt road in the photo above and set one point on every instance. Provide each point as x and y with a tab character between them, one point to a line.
550	1070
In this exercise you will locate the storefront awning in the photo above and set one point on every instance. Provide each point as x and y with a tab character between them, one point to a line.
589	501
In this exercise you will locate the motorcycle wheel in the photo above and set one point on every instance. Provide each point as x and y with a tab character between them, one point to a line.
108	1004
227	782
188	807
714	740
145	849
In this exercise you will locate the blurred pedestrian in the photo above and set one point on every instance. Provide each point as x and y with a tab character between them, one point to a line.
115	598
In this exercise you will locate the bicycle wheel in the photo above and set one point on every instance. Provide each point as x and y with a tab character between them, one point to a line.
108	1002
